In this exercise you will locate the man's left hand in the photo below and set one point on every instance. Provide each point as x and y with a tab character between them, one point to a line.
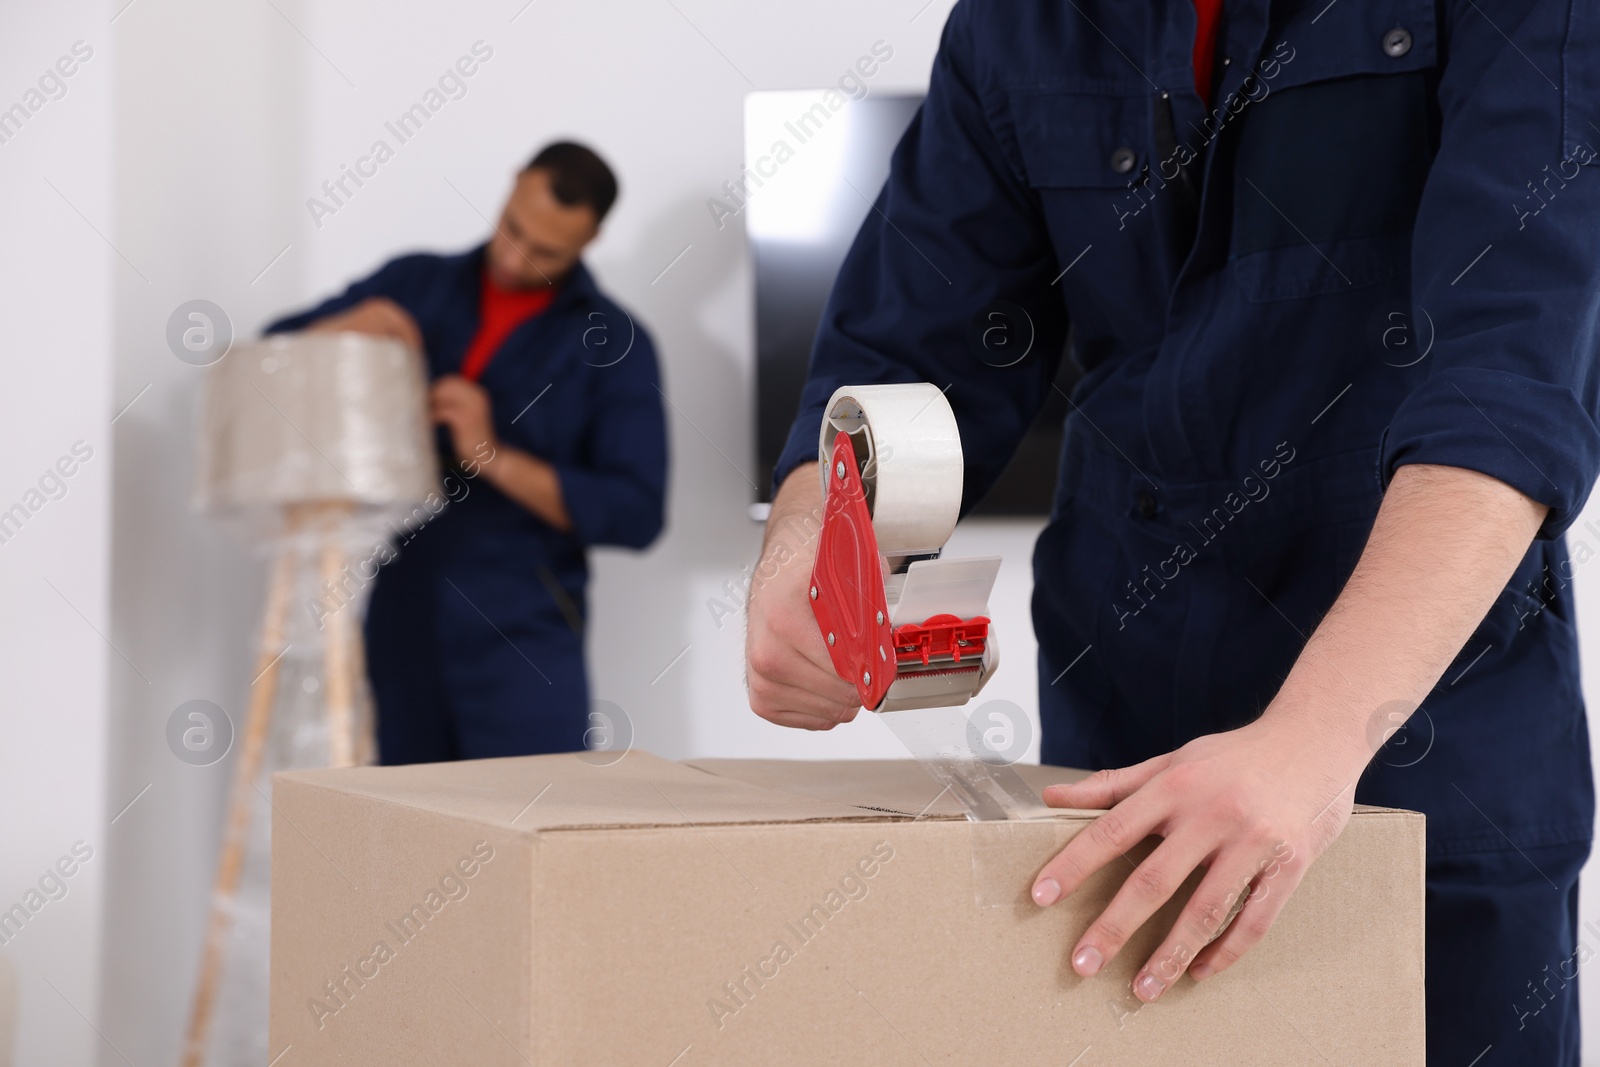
463	406
1254	807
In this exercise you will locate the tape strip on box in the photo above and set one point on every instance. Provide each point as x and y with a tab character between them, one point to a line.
949	746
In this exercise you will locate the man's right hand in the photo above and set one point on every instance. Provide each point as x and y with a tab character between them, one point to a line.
376	315
791	679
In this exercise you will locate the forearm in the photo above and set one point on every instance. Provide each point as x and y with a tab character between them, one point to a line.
796	506
529	481
1445	542
792	528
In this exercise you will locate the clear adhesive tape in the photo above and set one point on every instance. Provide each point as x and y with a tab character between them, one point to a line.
909	450
944	742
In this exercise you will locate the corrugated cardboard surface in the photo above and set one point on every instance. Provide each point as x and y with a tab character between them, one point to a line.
657	913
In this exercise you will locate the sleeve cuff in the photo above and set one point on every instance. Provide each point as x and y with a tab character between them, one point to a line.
585	503
606	510
1534	436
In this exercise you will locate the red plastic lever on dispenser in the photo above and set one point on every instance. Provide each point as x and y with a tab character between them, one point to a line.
847	595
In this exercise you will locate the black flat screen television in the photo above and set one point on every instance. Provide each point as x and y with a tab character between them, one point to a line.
800	220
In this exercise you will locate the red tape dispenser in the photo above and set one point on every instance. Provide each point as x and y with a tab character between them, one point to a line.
905	627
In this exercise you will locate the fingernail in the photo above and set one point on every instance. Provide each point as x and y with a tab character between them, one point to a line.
1088	961
1046	892
1200	971
1148	987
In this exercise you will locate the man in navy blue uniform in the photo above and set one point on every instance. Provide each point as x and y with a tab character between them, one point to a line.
1332	286
548	400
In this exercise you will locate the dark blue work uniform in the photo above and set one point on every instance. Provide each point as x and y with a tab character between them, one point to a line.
475	632
1377	247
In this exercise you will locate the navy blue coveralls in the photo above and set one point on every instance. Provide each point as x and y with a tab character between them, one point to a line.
1377	247
475	632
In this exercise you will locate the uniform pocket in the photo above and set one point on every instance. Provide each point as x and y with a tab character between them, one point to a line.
1325	267
1081	140
1327	180
1089	159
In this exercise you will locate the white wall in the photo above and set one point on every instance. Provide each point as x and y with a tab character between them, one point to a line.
1587	584
56	274
210	114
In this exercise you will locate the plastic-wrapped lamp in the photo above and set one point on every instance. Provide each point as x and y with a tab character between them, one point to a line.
316	446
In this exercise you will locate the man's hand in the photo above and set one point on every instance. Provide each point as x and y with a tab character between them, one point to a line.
791	679
378	316
1254	807
463	406
1257	805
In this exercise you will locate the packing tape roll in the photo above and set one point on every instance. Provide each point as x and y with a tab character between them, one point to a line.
909	450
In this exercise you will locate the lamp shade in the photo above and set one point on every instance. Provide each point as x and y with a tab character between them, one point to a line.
315	417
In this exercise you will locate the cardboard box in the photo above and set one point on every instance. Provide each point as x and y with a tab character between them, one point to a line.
555	910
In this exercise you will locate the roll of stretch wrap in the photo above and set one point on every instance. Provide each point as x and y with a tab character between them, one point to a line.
909	451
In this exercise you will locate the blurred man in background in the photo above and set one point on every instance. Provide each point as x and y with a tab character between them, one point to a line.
547	397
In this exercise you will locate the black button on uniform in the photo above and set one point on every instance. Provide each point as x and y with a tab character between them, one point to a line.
1123	159
1145	505
1397	42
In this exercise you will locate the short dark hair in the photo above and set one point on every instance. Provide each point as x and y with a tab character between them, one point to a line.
577	176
